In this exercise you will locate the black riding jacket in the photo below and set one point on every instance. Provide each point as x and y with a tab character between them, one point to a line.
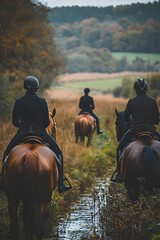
29	111
144	113
86	103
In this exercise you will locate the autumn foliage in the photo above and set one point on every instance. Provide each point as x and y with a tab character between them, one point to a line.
27	46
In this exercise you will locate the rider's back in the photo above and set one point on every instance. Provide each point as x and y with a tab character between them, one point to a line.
30	110
86	103
144	112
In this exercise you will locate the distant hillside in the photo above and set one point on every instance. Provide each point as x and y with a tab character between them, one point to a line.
89	35
137	13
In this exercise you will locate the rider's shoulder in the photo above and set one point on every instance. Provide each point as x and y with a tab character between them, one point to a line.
151	98
35	96
87	96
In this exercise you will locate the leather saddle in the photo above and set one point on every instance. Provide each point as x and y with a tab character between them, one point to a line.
144	134
33	140
87	113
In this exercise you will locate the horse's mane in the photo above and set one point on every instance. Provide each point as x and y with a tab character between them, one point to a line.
123	125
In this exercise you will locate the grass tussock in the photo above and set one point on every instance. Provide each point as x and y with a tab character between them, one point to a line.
122	219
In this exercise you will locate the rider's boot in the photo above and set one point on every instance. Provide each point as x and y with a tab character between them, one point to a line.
61	186
99	131
118	178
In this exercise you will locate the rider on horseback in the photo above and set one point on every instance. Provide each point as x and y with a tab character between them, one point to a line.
86	104
31	116
143	112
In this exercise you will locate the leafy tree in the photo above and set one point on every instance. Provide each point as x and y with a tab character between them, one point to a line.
27	45
97	65
137	13
90	22
125	23
78	63
92	37
72	43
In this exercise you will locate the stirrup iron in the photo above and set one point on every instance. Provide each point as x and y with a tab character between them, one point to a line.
65	179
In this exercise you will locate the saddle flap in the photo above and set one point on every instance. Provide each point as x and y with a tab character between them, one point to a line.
33	140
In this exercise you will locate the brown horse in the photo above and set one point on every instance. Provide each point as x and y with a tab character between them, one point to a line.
30	175
85	125
140	163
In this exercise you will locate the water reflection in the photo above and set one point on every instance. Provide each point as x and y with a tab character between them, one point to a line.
83	219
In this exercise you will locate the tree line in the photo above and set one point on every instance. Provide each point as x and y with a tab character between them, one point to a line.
124	36
89	44
137	13
27	47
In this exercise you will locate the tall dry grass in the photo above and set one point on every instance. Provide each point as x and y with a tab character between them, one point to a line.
81	164
66	111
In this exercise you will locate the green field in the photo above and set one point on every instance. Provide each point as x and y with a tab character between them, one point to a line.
96	85
150	57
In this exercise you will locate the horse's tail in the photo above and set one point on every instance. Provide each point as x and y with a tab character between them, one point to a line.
83	125
31	175
149	159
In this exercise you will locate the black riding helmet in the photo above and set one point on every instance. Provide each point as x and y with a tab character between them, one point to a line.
140	85
31	82
86	90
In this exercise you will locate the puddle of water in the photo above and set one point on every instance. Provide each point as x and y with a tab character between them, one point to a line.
83	219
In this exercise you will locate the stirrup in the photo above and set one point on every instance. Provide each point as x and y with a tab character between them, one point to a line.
65	179
116	171
118	178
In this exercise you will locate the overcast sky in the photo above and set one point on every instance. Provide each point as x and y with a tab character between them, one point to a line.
97	3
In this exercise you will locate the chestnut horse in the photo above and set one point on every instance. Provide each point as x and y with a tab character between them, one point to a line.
51	129
85	125
140	163
30	175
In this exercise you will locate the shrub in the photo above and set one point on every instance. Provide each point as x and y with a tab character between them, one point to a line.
117	91
72	43
78	63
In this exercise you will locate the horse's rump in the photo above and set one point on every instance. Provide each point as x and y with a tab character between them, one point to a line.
141	160
31	170
85	123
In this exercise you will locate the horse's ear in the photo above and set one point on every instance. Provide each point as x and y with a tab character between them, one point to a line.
53	113
116	111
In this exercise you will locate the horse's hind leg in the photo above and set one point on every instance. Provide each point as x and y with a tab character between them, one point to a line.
89	141
149	185
12	208
133	187
82	139
28	218
77	137
42	217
